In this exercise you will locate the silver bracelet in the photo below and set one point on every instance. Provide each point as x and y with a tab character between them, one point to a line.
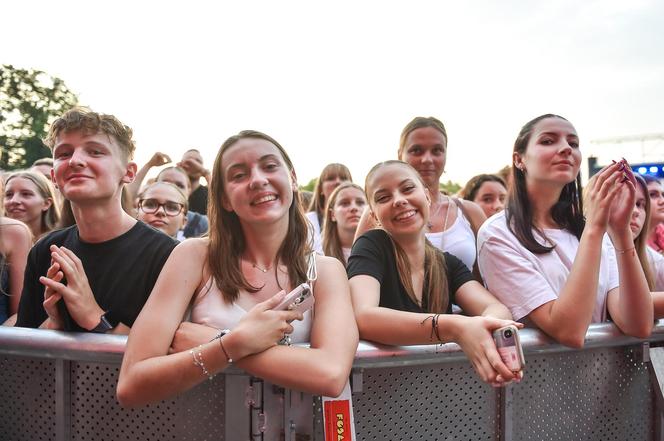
197	355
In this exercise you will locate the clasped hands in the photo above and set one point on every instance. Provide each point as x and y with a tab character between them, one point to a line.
75	291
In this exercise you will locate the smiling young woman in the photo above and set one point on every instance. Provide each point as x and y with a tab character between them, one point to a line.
453	223
403	287
30	198
257	248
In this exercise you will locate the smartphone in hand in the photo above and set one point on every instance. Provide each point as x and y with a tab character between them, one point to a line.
509	347
300	299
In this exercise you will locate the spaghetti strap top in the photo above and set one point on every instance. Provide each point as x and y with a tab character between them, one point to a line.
458	240
210	308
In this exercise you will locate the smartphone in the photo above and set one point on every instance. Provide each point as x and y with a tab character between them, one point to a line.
300	299
509	347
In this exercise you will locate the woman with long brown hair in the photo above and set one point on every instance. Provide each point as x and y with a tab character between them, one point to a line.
342	215
330	178
545	261
257	250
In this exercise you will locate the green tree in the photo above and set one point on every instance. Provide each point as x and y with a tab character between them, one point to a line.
449	187
29	102
309	185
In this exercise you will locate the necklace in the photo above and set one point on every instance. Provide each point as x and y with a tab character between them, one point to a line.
261	269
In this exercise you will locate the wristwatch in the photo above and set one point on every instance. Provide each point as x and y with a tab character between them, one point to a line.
106	323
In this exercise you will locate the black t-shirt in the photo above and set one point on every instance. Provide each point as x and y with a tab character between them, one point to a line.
198	200
373	255
121	273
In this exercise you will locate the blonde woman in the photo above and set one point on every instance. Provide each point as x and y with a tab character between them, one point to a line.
29	197
330	178
15	243
403	287
342	215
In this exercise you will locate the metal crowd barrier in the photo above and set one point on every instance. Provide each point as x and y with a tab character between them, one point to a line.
61	386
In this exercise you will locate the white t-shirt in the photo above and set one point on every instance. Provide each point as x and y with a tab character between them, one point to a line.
314	228
346	252
656	261
524	281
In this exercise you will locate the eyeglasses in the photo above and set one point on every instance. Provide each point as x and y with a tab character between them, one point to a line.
151	206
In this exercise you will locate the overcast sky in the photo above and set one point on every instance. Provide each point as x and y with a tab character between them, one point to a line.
337	81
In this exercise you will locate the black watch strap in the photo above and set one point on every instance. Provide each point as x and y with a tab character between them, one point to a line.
106	323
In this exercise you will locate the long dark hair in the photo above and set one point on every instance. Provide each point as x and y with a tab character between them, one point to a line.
227	238
567	212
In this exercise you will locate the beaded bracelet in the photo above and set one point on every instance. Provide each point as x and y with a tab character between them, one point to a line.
197	355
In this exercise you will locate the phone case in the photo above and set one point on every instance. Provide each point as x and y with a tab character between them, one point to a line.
300	299
509	348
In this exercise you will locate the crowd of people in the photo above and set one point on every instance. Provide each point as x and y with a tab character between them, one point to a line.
193	272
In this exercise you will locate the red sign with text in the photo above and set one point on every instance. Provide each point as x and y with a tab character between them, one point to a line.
338	423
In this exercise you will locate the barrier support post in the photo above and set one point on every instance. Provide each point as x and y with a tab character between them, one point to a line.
63	400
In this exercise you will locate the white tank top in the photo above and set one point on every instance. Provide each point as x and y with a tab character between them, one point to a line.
457	240
211	309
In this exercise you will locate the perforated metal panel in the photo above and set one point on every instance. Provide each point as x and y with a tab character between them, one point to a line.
446	402
601	394
27	399
96	414
200	412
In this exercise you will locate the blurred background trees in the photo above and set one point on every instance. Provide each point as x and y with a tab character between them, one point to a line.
29	101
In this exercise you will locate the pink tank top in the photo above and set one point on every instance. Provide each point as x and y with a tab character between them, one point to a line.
211	309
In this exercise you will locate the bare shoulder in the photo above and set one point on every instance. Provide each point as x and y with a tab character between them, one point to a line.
331	265
15	233
472	208
193	251
474	212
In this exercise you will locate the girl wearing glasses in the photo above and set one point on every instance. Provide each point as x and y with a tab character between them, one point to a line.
163	206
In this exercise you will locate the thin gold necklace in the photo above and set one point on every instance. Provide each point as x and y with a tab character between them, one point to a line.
261	269
254	265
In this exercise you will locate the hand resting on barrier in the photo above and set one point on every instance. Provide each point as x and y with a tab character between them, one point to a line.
257	246
403	288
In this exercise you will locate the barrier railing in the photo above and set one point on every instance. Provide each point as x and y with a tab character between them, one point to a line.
61	386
